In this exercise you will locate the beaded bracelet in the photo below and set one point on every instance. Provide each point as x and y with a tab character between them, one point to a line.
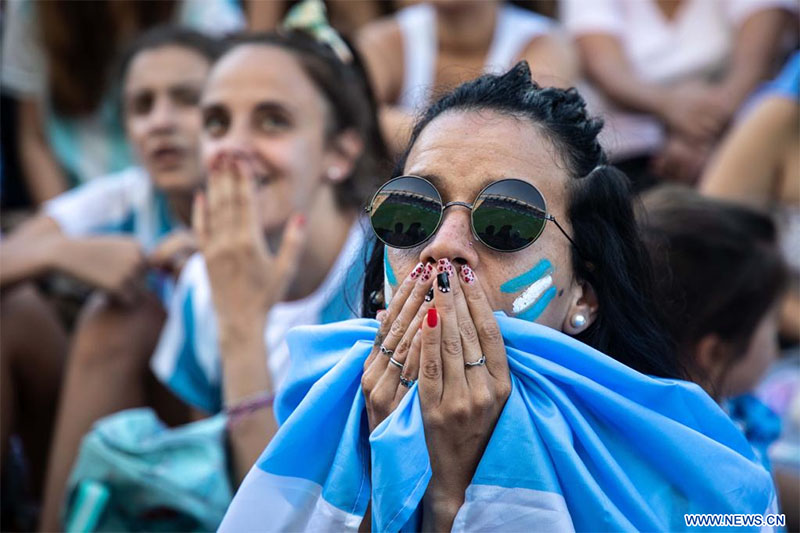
249	405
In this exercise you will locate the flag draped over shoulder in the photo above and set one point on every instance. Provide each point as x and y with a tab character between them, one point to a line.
584	443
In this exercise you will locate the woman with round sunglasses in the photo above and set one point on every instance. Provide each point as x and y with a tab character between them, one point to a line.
520	378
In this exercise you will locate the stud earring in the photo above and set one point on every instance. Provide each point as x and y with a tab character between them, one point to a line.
334	173
578	320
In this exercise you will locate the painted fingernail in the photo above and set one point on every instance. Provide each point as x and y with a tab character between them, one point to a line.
301	220
417	271
443	281
444	265
429	296
433	317
426	272
467	275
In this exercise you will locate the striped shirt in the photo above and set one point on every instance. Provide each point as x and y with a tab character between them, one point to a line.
187	358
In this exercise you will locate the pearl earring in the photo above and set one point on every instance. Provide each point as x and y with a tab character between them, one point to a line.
577	320
334	173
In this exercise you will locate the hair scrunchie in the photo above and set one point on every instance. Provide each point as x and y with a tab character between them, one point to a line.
310	17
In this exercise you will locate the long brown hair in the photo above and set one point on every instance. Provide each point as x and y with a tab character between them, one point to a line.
81	40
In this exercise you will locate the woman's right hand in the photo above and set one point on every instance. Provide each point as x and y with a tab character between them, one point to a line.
246	278
114	264
695	111
400	325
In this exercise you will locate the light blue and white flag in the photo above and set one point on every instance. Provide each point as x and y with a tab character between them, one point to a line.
584	443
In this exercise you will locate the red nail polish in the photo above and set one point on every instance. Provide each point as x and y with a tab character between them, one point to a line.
467	274
433	317
426	273
417	271
301	220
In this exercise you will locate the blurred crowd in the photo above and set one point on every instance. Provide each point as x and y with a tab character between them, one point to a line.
133	302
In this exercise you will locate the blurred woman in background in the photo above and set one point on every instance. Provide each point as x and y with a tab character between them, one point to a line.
667	76
721	279
57	62
292	148
125	234
429	47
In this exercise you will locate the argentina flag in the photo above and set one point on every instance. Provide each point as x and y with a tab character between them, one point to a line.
584	443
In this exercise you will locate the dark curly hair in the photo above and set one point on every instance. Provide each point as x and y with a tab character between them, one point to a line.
608	252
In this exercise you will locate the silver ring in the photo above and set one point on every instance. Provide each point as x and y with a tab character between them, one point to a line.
479	362
407	383
386	351
396	363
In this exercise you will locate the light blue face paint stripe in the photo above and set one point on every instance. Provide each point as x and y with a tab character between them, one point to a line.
388	269
520	282
537	308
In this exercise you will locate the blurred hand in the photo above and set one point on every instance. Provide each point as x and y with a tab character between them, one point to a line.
681	160
114	264
695	110
246	278
173	251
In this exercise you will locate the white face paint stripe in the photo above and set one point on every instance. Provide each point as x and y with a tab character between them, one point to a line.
387	291
531	294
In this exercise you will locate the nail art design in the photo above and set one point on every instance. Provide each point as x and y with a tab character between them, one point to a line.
429	296
426	272
443	280
467	274
417	271
444	265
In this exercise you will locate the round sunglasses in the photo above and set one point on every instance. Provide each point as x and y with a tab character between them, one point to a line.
507	215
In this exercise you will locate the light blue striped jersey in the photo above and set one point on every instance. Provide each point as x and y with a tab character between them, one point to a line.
124	202
187	358
583	443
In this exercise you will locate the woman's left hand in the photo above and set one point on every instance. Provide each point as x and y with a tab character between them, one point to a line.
461	402
172	252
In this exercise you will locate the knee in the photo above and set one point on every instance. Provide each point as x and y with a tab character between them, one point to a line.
20	303
28	320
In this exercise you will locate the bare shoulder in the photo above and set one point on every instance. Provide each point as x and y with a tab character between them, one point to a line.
553	59
381	44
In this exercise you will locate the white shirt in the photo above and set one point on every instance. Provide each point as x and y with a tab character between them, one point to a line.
696	44
123	202
514	30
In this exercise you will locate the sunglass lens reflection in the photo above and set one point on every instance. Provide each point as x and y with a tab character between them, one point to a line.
509	215
405	212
